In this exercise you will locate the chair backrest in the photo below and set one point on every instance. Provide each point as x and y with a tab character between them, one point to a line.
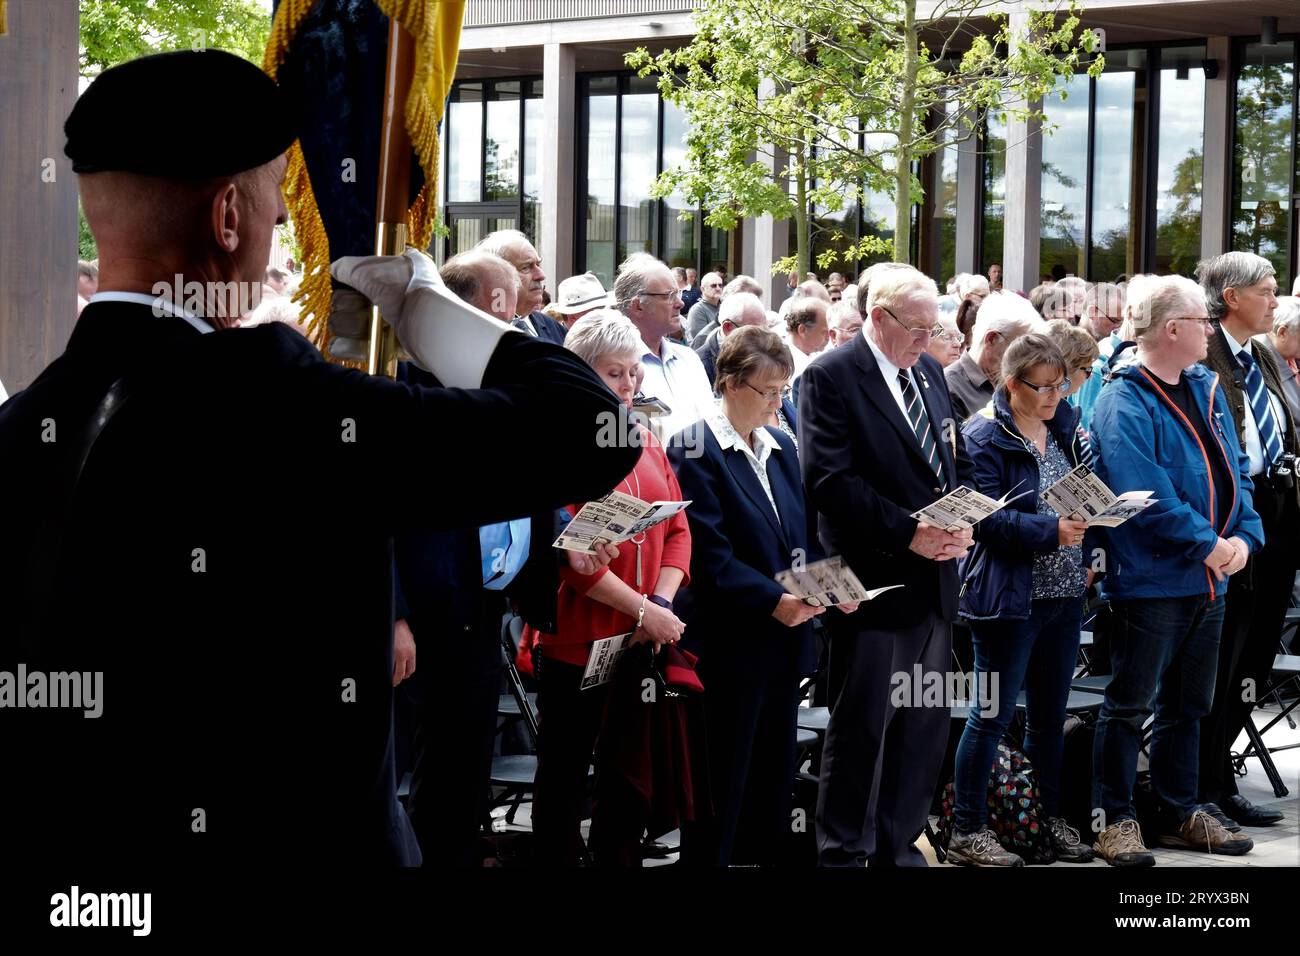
509	647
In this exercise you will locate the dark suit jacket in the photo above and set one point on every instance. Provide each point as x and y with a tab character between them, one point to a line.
548	330
738	544
441	572
708	353
1232	379
864	474
227	564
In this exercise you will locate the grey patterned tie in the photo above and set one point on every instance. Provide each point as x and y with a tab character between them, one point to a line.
920	422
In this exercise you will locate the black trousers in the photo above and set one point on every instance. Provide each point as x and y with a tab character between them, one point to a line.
570	722
880	763
1258	597
751	705
459	685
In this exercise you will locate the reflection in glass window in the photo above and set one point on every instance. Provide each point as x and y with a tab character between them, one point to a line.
640	138
464	142
1262	156
1179	167
1064	182
533	168
945	201
601	150
995	188
878	208
1114	236
679	233
501	162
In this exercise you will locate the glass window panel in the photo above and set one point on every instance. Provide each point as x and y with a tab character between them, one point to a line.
638	148
642	84
717	245
501	163
602	85
1064	178
995	188
532	169
465	234
600	186
1179	166
464	152
878	208
1263	153
832	230
1114	237
945	200
679	233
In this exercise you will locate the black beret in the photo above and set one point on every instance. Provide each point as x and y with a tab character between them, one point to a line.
181	115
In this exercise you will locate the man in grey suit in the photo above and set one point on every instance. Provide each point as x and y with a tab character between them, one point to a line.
1283	343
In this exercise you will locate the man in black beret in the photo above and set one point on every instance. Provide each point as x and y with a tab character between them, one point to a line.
195	538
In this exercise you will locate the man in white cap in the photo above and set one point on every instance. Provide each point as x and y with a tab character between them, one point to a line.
579	295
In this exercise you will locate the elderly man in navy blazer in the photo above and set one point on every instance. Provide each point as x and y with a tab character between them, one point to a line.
879	441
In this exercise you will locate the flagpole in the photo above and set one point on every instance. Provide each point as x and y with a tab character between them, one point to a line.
394	190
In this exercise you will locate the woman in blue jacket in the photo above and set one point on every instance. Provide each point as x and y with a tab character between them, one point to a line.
1022	592
748	523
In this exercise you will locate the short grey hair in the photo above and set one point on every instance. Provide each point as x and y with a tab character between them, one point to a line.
742	284
870	274
1029	351
840	311
734	307
1235	270
969	282
88	269
632	277
1166	297
603	332
1005	313
1286	318
802	310
466	274
501	241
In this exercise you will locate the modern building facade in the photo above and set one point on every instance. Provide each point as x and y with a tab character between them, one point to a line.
1185	146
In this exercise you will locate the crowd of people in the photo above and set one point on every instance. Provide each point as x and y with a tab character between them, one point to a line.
816	429
251	644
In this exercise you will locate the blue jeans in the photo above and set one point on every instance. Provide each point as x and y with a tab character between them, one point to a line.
1038	654
1164	652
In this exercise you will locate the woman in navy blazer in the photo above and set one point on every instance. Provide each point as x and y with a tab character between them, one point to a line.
747	523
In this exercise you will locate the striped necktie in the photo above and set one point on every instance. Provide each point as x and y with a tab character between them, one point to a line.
1270	439
920	422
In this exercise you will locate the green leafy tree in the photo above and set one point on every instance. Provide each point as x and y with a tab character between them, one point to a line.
114	31
797	105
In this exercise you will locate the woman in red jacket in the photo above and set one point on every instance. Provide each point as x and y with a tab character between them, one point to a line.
634	592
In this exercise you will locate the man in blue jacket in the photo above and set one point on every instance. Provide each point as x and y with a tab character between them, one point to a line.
1164	426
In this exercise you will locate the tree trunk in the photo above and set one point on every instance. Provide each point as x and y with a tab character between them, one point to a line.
903	155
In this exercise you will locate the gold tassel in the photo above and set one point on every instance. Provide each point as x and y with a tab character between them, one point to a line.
435	27
4	17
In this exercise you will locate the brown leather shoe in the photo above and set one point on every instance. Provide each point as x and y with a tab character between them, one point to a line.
1202	832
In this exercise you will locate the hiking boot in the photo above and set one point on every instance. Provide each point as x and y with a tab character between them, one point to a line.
1120	844
1066	843
1202	832
979	849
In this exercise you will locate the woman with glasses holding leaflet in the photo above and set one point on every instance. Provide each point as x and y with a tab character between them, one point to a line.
748	523
1022	593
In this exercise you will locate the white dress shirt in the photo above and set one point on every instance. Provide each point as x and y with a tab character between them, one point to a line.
764	445
1249	429
890	372
676	375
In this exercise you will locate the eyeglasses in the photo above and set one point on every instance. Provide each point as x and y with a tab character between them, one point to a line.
949	338
1087	372
1061	387
919	332
675	293
1203	319
771	395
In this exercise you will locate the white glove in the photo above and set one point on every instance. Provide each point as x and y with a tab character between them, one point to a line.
445	335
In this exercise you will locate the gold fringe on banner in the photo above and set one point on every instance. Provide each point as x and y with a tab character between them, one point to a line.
435	26
4	17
